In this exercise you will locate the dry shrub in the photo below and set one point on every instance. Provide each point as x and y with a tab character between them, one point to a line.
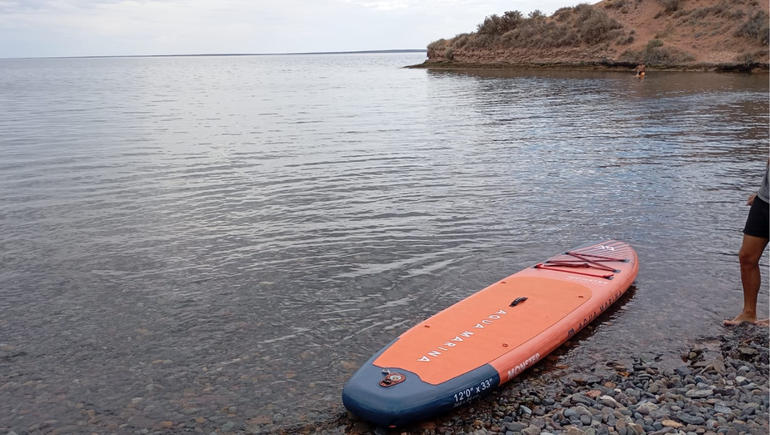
582	11
736	14
653	44
720	10
681	13
562	14
461	40
670	6
437	48
511	20
437	45
555	36
497	25
482	41
569	27
490	26
746	58
751	59
569	39
524	36
654	54
594	25
615	4
625	40
756	28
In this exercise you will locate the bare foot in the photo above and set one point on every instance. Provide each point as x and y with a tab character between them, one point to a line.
747	319
733	322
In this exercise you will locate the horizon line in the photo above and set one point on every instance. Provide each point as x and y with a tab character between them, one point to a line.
405	50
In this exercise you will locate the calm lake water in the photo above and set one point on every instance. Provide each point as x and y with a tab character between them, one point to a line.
229	238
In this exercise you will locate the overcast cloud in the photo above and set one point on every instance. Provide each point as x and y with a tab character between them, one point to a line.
41	28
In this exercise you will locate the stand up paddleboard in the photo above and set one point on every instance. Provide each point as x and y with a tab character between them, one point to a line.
487	339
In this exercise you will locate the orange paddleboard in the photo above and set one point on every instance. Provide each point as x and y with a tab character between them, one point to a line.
490	337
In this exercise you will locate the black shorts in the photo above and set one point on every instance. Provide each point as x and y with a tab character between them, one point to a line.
758	223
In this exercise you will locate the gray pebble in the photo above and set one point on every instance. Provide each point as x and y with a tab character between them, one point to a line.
515	426
699	394
609	401
690	419
582	400
741	428
538	422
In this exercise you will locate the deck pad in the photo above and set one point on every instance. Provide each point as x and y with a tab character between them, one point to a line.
483	327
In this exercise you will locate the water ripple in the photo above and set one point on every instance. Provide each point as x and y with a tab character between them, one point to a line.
205	233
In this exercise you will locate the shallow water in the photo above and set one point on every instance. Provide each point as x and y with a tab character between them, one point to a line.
231	237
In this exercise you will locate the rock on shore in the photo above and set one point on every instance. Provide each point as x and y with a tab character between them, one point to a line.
720	386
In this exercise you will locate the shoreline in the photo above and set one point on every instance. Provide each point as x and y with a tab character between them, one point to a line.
719	387
754	68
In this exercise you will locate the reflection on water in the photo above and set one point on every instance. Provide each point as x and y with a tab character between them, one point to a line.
227	239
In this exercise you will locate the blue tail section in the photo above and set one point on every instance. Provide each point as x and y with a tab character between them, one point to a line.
412	400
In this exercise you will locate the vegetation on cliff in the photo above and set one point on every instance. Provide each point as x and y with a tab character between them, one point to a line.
567	27
728	34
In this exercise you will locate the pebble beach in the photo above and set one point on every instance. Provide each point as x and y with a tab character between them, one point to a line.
720	386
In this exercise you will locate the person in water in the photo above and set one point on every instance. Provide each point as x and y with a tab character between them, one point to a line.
640	69
755	237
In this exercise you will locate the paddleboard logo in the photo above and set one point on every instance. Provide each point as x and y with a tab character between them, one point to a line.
521	367
461	337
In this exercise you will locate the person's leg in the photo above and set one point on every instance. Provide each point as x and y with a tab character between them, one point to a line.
749	255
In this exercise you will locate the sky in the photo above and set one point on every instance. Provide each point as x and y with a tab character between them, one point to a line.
53	28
